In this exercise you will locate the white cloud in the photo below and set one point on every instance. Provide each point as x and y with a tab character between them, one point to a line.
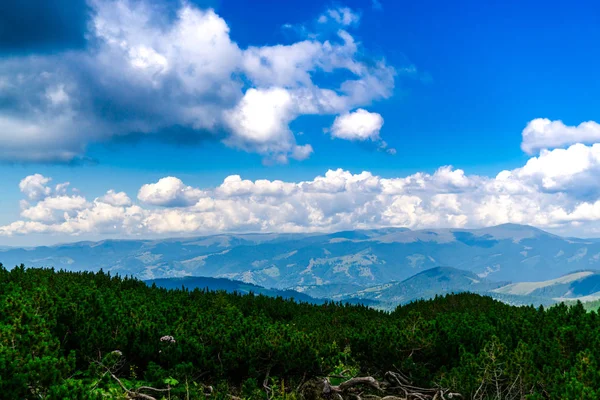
452	179
234	186
280	65
541	133
357	125
169	192
34	187
260	122
113	198
53	208
342	15
565	200
147	73
61	188
575	170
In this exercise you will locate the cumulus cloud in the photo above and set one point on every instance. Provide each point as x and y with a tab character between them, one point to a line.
542	133
574	170
169	192
234	186
113	198
539	193
260	122
358	125
51	209
34	187
144	74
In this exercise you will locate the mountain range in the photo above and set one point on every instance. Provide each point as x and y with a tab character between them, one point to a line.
580	285
367	264
426	284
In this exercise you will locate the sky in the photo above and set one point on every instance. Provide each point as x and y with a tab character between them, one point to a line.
161	118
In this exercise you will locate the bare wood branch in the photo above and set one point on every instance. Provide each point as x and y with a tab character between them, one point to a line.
367	380
152	389
131	393
266	386
396	386
301	382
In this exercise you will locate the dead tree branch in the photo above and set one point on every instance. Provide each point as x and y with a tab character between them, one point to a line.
394	386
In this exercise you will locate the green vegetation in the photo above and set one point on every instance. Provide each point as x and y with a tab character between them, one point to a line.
83	335
593	305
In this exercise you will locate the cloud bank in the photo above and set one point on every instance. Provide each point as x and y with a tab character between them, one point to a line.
541	134
144	73
553	191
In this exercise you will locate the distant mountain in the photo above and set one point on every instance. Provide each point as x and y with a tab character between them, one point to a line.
425	285
583	285
317	264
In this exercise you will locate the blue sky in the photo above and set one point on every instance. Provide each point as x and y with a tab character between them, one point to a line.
98	95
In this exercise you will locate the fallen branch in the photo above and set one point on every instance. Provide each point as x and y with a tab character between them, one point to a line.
396	386
266	386
130	393
134	393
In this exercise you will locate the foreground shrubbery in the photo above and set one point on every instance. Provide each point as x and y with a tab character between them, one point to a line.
86	335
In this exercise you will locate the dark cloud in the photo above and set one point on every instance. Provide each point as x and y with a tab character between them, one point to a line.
50	26
142	73
174	135
34	26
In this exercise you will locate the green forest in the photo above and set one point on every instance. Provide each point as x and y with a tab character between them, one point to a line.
84	335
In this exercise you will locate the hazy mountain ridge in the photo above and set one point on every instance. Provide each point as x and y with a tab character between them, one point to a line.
216	284
580	285
576	285
305	262
230	286
426	284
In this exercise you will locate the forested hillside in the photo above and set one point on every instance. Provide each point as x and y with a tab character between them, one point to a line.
66	335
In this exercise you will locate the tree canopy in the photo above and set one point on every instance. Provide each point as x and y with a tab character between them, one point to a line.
83	335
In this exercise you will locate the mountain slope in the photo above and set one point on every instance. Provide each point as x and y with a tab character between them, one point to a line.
581	284
426	284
